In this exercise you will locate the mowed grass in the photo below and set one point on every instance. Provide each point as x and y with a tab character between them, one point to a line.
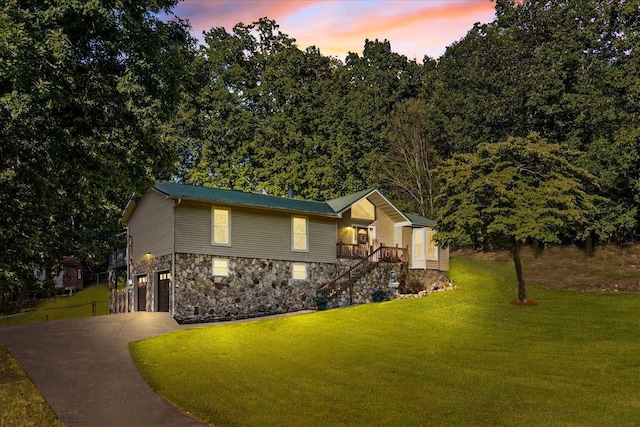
66	307
464	357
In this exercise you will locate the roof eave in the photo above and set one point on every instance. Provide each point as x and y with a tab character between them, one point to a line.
247	205
128	210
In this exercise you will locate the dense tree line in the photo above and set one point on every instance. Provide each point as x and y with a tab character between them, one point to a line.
86	92
262	115
97	101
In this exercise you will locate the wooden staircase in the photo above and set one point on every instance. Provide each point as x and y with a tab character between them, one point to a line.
349	277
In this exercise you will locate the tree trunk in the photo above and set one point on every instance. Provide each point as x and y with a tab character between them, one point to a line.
589	245
537	249
522	294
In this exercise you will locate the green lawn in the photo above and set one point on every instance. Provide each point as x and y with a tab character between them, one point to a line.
465	357
66	307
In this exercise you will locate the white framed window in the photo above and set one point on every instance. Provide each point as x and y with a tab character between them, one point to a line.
299	271
431	246
220	267
79	274
418	243
299	233
220	226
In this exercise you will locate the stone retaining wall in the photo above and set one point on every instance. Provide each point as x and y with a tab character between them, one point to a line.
416	281
261	287
255	287
378	278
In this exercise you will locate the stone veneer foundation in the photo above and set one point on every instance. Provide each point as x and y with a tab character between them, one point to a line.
255	287
260	287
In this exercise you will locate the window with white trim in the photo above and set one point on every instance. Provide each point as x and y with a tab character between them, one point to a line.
298	271
220	267
418	243
431	246
220	226
299	233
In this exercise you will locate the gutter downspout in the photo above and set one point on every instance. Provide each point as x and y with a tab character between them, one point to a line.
173	263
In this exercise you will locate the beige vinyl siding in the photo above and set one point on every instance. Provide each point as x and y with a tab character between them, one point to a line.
255	233
344	232
151	226
385	229
444	259
398	236
406	237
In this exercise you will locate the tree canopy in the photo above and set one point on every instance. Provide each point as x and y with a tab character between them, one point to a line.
98	99
263	115
512	191
566	70
86	90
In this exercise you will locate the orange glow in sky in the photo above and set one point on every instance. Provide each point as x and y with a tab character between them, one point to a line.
415	28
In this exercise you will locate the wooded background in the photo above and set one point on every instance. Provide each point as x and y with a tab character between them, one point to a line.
98	100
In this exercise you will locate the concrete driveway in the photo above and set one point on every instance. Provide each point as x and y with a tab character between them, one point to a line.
84	370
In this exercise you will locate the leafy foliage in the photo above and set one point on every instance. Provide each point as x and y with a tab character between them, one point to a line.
512	191
565	70
263	115
85	92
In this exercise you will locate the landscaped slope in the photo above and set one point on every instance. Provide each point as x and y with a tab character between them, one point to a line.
612	268
88	302
465	357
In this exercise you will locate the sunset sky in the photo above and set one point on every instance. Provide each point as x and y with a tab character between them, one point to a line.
414	27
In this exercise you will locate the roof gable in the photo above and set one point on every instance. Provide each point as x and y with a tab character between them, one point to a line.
343	203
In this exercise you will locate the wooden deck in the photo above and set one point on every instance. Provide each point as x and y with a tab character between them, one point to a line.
382	253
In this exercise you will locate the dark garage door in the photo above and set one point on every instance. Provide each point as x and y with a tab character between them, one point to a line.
142	293
163	291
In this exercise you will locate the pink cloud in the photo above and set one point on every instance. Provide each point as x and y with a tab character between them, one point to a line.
414	27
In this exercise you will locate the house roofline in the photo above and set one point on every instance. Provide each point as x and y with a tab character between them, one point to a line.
255	206
128	210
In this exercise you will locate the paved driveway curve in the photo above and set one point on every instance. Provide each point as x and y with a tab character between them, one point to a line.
84	370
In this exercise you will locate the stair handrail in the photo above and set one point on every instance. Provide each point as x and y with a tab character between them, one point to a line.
349	270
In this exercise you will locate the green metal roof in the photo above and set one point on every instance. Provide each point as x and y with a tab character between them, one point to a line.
330	207
420	220
342	203
192	192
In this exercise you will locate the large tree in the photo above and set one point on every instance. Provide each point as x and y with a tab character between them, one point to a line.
250	120
85	91
567	70
262	115
407	171
511	191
